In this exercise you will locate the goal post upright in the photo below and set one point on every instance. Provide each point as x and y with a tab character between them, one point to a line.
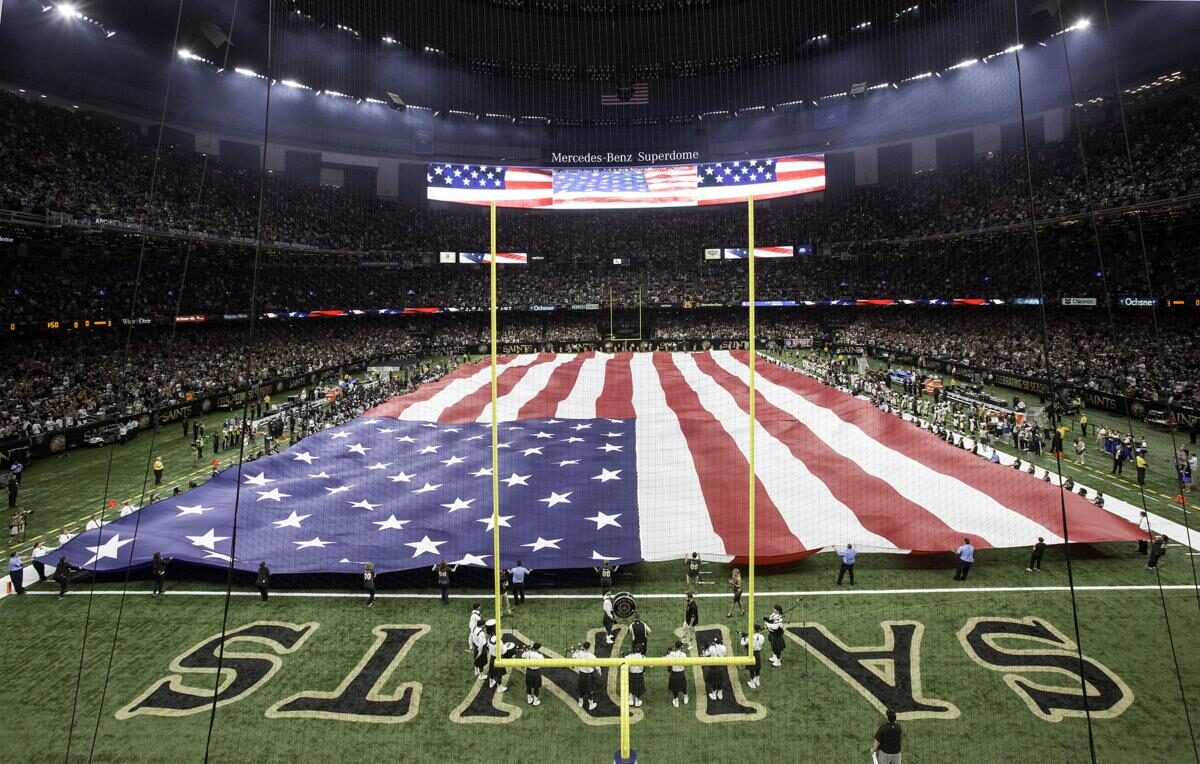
621	664
495	437
753	421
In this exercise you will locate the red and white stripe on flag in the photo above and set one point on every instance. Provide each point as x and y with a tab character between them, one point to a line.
830	469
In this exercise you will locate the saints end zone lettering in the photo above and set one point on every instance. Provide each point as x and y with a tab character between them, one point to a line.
733	706
990	642
242	672
484	705
360	697
888	676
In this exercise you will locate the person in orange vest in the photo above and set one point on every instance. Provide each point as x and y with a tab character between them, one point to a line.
158	470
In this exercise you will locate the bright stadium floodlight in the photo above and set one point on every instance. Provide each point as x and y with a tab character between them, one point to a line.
68	11
963	64
246	72
1082	24
294	84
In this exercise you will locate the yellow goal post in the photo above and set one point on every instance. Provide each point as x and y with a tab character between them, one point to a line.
622	664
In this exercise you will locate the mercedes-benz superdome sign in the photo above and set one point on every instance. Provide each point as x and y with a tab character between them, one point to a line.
671	185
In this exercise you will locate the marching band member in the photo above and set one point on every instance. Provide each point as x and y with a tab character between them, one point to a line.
712	674
586	676
775	635
676	676
533	676
637	679
756	640
610	619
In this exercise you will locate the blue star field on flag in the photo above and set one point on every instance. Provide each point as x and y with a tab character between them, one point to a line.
464	176
736	173
400	494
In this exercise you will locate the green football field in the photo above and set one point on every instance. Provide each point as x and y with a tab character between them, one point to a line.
84	676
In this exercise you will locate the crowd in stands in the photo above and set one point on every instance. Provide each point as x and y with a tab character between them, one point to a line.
56	381
89	166
65	281
85	165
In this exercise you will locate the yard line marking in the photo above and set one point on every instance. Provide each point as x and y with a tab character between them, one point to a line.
673	595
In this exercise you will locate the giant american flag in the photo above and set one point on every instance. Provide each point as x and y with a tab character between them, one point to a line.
686	185
622	457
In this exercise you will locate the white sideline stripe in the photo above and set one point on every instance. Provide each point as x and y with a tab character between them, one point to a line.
673	595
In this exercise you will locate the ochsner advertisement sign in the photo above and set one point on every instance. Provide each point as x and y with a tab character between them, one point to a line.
1137	302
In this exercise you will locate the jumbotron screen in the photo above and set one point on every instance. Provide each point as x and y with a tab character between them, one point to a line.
581	188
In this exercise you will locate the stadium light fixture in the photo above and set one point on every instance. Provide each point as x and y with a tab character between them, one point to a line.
68	11
860	27
293	84
963	64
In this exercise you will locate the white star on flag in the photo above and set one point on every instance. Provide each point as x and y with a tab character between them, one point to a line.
473	559
609	447
491	523
401	477
339	489
476	437
565	462
542	543
557	498
406	439
613	434
597	556
271	495
380	466
305	457
259	479
458	504
364	504
358	448
607	475
321	474
601	520
208	540
453	460
291	521
314	541
108	549
429	450
452	429
340	435
515	479
506	444
482	472
544	435
553	421
428	487
391	523
425	546
192	510
617	421
385	430
582	426
573	439
530	451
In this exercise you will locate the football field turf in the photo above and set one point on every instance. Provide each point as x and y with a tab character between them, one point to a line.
967	704
395	681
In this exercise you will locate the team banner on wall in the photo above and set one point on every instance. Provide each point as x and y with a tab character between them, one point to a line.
567	188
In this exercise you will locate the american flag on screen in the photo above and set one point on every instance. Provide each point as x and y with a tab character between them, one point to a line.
632	94
622	187
484	184
622	457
